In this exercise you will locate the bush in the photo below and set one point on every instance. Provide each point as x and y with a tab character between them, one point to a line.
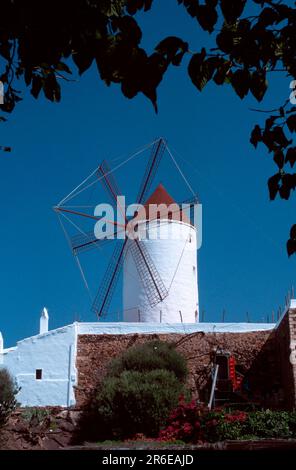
150	356
137	402
139	391
269	424
292	423
184	422
35	415
8	392
192	422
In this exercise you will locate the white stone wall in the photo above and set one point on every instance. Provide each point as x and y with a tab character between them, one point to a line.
53	352
172	247
124	328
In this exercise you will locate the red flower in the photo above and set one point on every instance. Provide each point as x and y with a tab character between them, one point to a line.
187	428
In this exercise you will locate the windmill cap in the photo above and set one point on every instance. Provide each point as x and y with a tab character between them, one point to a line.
161	205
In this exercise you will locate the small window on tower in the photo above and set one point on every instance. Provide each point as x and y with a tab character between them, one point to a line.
38	374
170	215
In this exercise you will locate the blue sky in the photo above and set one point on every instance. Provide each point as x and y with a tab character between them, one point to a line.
243	266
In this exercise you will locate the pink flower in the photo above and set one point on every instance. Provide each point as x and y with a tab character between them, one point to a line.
187	428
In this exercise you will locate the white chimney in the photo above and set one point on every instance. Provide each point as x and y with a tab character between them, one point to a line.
44	321
1	343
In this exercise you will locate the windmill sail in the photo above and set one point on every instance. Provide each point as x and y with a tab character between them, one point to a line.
86	241
155	289
153	164
103	298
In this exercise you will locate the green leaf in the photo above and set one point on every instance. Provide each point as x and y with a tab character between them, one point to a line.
291	156
273	185
5	49
240	81
132	6
288	183
268	16
293	232
222	73
207	17
270	122
256	136
200	70
291	123
232	9
279	137
51	88
258	84
172	49
37	83
279	158
129	28
267	139
291	247
63	67
83	58
28	75
225	41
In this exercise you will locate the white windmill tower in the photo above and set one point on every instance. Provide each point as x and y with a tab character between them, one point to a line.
159	263
169	239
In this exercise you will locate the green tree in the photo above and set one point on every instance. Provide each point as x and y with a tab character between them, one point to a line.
37	38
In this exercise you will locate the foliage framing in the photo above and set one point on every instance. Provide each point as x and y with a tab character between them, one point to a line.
36	38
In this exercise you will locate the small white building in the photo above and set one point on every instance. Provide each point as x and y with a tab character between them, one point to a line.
44	365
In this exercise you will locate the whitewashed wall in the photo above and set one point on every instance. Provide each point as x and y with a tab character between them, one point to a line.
53	352
172	247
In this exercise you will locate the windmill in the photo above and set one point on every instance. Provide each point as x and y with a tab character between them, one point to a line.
130	244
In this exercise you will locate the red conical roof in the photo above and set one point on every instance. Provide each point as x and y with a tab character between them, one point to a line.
161	197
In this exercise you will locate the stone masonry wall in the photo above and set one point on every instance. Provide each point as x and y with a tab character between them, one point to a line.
255	354
266	359
285	336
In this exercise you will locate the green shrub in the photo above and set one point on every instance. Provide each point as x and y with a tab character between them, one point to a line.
192	422
8	392
292	423
35	415
269	424
150	356
137	402
139	391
